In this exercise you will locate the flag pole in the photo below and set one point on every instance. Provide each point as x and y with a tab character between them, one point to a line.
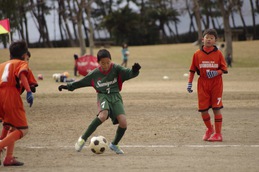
9	34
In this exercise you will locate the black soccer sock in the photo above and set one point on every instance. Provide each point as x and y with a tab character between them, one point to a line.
119	134
91	128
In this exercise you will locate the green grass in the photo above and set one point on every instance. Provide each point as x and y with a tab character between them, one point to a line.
245	54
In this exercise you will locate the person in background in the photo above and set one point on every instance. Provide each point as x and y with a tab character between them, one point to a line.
75	66
229	60
125	55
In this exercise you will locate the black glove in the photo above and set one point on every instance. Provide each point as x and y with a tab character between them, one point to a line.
33	89
62	87
136	67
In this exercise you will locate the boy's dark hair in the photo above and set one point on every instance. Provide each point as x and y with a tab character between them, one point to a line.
210	32
18	49
103	53
75	56
29	53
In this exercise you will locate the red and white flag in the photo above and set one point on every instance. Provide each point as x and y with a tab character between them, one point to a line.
4	26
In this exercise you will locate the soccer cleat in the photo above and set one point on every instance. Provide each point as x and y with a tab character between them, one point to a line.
116	149
12	162
216	138
79	144
208	133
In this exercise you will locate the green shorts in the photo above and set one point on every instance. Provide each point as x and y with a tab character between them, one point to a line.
113	103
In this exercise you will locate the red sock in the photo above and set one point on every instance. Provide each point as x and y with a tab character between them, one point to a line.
218	123
11	138
9	151
206	120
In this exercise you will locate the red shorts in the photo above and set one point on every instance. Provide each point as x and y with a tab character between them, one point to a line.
11	108
210	93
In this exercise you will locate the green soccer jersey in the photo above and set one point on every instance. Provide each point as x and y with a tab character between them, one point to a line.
105	82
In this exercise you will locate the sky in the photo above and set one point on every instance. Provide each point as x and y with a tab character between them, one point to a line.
183	25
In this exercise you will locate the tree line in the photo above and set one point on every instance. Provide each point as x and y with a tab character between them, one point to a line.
136	22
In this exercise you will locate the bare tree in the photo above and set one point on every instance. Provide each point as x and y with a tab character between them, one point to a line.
239	5
226	8
38	10
63	18
23	24
191	15
253	16
79	17
91	30
196	10
71	6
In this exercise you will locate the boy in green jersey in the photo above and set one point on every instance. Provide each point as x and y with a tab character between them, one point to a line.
107	80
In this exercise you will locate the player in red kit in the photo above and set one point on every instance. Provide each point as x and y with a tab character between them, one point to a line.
12	73
209	63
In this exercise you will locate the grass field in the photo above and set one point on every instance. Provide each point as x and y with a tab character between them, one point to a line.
164	128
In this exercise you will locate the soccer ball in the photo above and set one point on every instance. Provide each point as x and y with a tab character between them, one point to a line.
56	76
40	77
98	144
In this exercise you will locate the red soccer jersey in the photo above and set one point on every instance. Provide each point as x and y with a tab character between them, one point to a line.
209	89
203	61
11	105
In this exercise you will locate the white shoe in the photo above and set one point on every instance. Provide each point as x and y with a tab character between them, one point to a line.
79	144
116	149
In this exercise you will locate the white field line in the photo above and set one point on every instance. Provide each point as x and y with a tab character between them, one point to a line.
151	146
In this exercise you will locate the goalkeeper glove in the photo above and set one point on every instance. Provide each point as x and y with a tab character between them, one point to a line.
136	67
189	87
29	98
212	74
62	87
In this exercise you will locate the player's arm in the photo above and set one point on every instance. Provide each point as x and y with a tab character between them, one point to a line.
71	86
221	70
26	86
32	82
192	71
127	73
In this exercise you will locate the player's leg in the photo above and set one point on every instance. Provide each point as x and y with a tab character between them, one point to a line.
4	132
119	134
9	142
126	62
217	137
216	106
119	117
121	128
204	105
101	117
17	119
207	121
